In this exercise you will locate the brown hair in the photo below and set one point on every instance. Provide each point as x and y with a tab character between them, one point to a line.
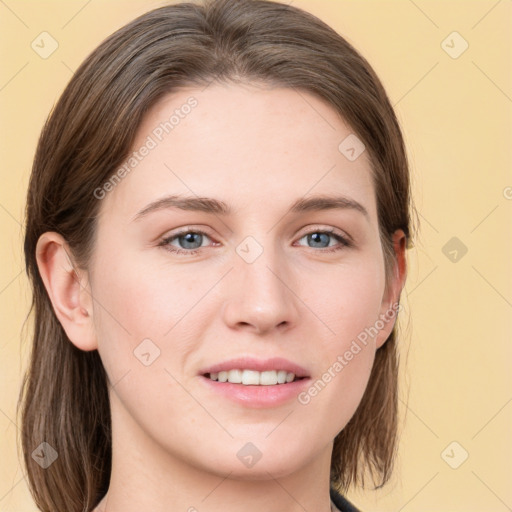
64	397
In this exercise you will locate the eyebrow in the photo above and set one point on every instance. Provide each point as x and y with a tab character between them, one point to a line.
217	207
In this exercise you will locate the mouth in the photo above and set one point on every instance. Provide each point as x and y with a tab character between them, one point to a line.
249	371
254	377
256	383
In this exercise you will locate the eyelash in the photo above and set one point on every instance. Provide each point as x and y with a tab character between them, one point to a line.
165	242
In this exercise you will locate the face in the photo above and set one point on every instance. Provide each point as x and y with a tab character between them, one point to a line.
260	282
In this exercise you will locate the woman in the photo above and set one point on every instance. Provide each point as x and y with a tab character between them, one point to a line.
217	220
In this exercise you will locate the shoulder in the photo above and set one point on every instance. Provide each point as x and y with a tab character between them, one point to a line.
341	502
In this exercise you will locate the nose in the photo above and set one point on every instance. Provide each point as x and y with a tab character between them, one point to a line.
261	296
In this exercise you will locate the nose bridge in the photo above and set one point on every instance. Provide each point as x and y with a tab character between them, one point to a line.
261	294
259	267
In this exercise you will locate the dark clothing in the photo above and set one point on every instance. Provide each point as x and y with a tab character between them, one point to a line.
341	502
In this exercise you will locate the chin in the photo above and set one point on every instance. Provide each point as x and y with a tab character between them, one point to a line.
257	461
260	471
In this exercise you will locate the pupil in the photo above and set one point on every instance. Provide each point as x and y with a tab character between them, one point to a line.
315	237
189	239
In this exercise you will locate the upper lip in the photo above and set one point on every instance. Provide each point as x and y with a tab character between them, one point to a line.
260	365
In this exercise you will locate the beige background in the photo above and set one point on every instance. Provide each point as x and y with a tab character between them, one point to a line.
456	116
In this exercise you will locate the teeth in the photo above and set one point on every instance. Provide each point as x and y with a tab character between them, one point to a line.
235	376
250	377
268	378
254	378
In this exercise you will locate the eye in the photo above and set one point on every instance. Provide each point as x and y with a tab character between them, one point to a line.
320	237
189	240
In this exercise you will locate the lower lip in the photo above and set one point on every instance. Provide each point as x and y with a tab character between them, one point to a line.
257	396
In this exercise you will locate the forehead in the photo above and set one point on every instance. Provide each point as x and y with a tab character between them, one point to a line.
245	145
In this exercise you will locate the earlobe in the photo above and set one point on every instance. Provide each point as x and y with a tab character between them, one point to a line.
390	305
67	288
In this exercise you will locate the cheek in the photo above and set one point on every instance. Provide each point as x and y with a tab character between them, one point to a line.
129	309
144	312
348	302
144	300
347	299
140	312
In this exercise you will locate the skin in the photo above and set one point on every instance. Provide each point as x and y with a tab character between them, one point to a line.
174	440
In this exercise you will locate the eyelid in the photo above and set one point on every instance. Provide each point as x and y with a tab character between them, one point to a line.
322	228
185	229
163	240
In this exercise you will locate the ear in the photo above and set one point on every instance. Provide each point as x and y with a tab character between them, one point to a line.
68	289
390	303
